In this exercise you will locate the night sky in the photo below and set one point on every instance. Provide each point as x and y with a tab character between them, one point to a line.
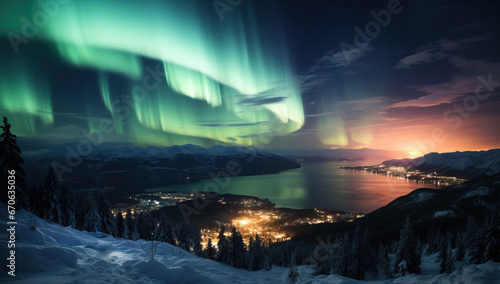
414	76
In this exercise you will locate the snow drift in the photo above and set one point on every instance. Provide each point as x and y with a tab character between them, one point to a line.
55	254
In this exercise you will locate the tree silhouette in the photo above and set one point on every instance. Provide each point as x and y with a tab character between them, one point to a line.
11	161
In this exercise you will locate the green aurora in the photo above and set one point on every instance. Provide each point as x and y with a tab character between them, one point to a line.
214	73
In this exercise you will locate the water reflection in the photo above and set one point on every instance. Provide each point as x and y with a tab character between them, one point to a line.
321	185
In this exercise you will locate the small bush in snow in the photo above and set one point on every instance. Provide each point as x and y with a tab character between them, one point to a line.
32	223
293	274
150	249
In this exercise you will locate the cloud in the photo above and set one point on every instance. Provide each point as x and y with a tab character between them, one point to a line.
443	93
332	63
461	84
222	124
353	106
427	101
322	114
442	49
342	58
262	100
419	58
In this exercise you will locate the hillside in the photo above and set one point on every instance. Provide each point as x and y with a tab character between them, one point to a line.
55	254
447	208
468	165
130	166
325	155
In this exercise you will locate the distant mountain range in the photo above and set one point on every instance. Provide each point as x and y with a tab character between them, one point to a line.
325	155
459	164
130	166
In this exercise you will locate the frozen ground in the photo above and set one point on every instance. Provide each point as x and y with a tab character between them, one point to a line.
54	254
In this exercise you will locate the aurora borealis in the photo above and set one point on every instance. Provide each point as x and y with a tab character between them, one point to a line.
174	72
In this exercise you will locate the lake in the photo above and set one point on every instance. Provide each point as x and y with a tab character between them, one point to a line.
314	185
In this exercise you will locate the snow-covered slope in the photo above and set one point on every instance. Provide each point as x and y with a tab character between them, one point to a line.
54	254
127	151
462	164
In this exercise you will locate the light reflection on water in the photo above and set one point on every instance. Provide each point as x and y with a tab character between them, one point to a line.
318	185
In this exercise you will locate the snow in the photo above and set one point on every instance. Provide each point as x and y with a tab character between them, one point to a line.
471	162
416	198
463	160
444	213
479	191
422	197
106	153
55	254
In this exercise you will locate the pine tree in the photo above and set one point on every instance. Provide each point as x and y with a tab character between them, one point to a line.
120	225
169	233
195	238
267	263
12	162
49	203
419	246
257	254
459	243
393	248
237	250
162	228
210	251
126	233
407	257
250	253
142	224
67	208
340	264
134	234
80	210
443	257
293	273
470	232
222	247
450	264
360	255
293	258
157	231
34	195
383	262
492	238
129	224
477	250
432	241
92	220
183	240
325	257
153	228
108	223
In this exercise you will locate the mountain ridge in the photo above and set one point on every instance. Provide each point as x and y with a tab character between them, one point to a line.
122	166
468	164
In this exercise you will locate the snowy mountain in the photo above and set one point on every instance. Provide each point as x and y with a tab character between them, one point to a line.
323	155
126	151
460	164
54	254
446	208
123	166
